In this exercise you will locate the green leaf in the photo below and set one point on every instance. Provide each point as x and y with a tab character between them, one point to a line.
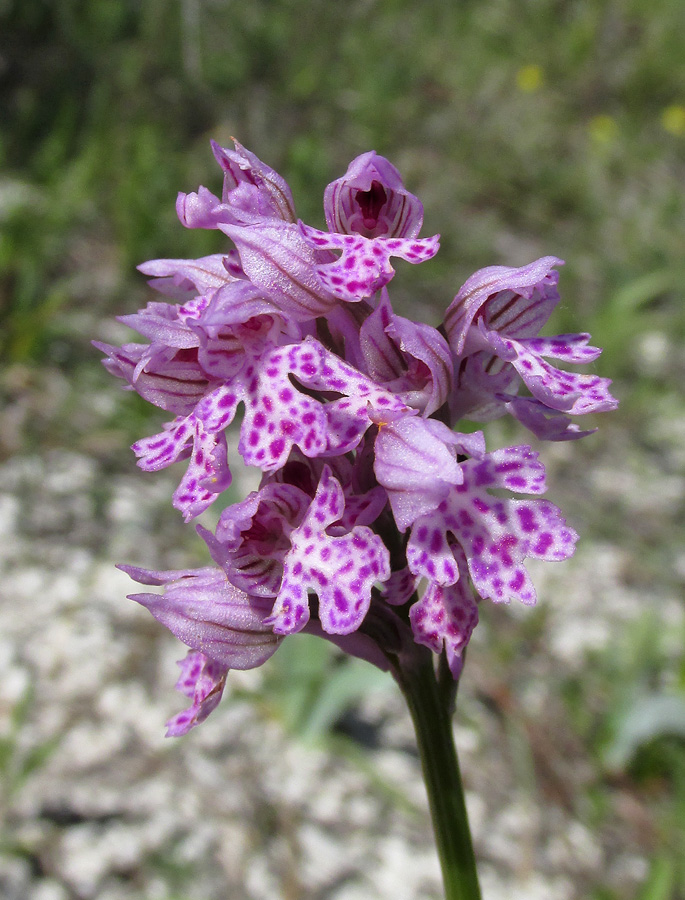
642	290
344	686
648	717
660	884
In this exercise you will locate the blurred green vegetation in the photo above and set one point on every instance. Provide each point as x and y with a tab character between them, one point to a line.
543	127
548	126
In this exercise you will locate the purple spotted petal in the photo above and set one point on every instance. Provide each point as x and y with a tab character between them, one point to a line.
487	373
363	509
514	468
202	680
253	537
399	587
364	402
208	473
429	553
569	347
370	199
545	423
565	391
416	464
279	416
445	617
161	450
340	570
521	300
364	266
495	534
468	506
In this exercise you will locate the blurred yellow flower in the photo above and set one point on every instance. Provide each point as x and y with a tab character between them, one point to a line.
673	119
530	78
603	129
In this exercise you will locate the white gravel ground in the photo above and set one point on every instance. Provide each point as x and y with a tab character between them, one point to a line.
98	805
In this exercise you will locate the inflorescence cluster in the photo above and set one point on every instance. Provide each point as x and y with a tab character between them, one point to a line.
376	523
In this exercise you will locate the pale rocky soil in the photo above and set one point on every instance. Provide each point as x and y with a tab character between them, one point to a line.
240	809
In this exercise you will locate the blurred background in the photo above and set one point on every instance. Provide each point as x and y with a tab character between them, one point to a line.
543	127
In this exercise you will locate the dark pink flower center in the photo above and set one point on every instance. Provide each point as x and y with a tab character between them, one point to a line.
371	203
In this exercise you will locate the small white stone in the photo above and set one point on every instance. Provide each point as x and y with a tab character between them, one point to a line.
536	887
655	352
357	889
79	860
9	513
13	685
393	878
477	812
511	832
324	859
628	868
49	889
68	472
259	881
361	811
467	739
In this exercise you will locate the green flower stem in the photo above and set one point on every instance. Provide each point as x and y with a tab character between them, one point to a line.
430	712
